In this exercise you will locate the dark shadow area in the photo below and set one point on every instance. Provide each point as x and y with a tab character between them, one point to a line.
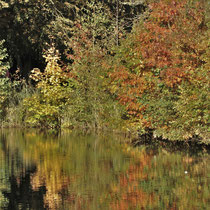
191	146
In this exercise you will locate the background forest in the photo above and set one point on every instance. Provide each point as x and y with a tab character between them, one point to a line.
138	66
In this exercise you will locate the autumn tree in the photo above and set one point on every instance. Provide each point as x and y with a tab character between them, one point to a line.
166	52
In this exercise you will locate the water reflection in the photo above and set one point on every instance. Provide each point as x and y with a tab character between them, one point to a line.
75	171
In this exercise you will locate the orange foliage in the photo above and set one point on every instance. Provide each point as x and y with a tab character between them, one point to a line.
165	49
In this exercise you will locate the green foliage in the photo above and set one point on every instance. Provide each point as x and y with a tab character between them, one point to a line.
193	104
5	84
98	108
11	93
96	20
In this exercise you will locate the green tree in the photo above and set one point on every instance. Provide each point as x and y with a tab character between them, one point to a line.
5	84
94	35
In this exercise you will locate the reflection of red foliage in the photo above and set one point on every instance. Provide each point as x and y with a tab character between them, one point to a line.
131	196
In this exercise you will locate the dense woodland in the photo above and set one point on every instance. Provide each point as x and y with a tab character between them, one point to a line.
128	65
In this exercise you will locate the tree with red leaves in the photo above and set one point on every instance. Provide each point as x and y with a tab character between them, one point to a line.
166	55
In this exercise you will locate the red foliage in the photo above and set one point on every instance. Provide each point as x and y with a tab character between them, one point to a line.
169	39
169	43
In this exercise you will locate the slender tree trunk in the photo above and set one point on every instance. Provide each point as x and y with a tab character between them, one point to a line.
117	22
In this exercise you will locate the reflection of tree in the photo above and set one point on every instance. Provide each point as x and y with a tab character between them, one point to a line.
4	182
88	172
76	172
128	195
17	190
179	181
49	173
162	181
22	194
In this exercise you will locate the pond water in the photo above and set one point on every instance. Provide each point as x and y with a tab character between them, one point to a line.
84	171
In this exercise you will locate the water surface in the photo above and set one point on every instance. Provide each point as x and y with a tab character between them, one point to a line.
84	171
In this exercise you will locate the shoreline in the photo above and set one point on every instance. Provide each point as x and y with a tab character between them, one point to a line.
146	139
